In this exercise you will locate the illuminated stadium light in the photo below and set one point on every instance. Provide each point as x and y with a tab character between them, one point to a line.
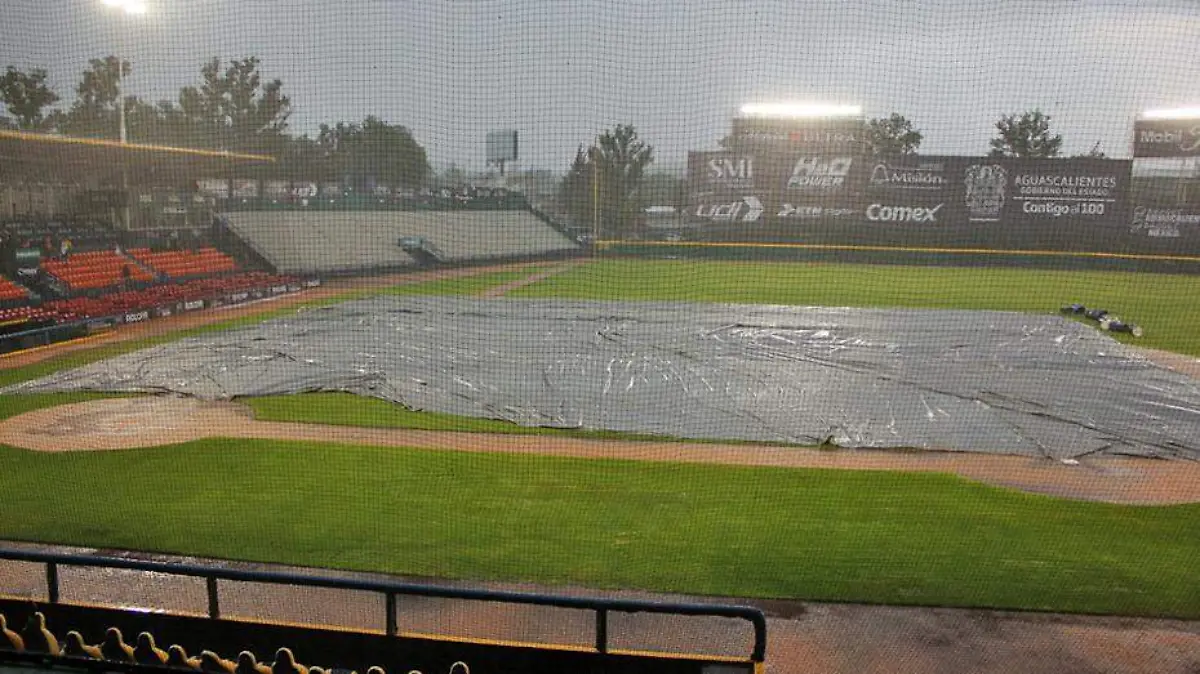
800	110
1172	113
129	6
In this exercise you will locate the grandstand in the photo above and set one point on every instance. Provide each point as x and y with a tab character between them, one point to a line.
345	241
95	269
178	263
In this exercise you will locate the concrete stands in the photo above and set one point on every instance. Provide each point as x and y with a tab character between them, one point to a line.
347	241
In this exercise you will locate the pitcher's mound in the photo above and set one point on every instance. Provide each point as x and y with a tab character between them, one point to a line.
121	423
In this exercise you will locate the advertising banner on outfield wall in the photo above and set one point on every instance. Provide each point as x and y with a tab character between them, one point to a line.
1166	138
942	201
1047	190
1155	222
710	172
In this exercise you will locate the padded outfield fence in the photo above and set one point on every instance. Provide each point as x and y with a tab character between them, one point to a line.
212	628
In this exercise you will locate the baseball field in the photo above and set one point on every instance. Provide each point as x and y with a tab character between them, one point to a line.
342	481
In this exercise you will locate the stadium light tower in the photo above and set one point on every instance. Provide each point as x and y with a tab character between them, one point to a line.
800	110
131	8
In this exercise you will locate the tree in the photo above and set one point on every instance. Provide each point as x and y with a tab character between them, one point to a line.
893	135
234	109
375	151
1094	153
94	112
575	190
604	183
26	96
453	176
1026	135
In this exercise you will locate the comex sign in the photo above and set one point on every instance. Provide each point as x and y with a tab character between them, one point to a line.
882	213
748	209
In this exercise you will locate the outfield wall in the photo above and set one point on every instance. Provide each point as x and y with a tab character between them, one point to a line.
906	255
1076	205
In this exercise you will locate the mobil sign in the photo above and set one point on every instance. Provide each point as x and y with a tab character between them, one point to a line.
1166	138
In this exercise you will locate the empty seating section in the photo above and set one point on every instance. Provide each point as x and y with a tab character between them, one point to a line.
18	317
342	241
95	269
166	294
11	291
37	638
180	263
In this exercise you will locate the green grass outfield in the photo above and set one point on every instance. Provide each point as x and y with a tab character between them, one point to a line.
1166	305
730	531
347	409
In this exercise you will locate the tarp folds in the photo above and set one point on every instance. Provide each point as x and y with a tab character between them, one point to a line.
959	380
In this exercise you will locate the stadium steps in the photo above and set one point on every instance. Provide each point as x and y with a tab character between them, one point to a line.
356	241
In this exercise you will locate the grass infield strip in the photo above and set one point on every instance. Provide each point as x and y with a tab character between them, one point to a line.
731	531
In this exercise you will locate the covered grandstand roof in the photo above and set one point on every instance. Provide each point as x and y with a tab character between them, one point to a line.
28	156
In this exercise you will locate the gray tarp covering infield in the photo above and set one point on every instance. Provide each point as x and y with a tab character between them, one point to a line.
967	380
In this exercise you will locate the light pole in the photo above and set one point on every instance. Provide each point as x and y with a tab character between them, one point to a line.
131	8
594	164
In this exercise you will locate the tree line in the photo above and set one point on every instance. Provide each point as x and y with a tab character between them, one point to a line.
231	108
603	189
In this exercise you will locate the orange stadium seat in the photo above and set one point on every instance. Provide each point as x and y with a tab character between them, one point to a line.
11	291
95	269
176	263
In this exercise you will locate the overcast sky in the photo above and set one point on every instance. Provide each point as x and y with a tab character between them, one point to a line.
560	71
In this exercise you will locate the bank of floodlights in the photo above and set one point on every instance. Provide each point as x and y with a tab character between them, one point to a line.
128	6
1172	113
799	110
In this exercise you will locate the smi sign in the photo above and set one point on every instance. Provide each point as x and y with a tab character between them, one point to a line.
709	170
731	169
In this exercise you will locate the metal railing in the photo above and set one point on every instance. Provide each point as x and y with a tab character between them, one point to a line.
391	590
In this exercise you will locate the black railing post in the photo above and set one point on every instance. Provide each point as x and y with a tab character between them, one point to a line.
52	582
214	599
390	627
392	590
759	621
602	630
